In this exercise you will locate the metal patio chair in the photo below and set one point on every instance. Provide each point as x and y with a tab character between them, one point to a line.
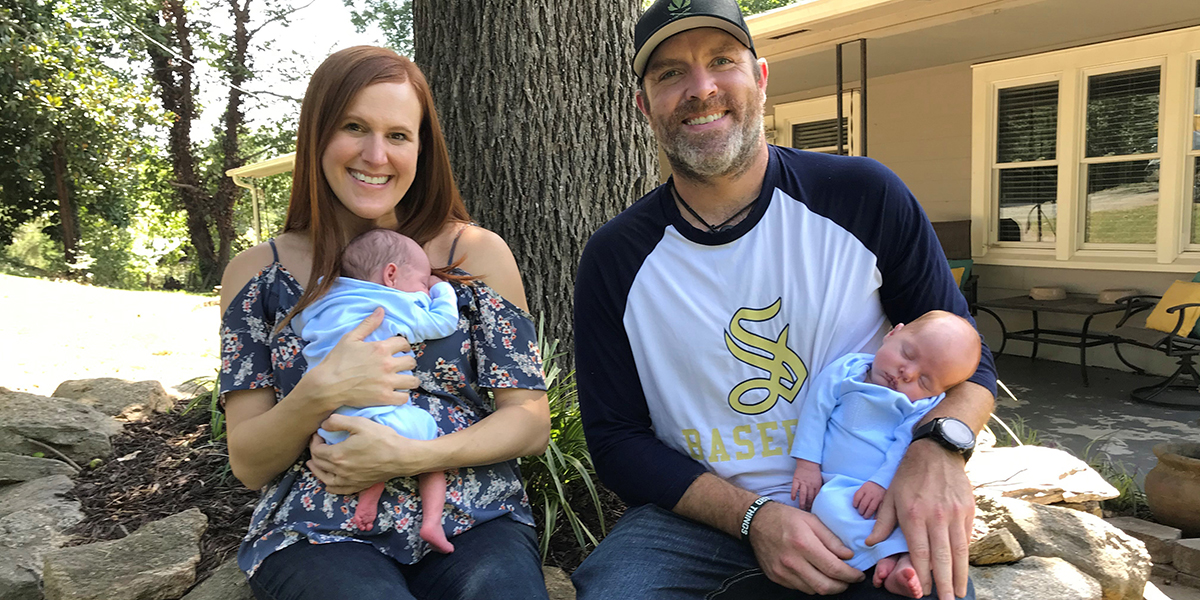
1175	344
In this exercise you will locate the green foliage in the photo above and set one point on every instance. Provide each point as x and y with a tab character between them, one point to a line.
753	7
1018	434
394	18
1131	499
559	478
207	390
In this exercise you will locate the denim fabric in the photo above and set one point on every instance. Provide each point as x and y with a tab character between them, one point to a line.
653	553
495	560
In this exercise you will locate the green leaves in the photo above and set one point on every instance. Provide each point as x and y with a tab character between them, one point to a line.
679	6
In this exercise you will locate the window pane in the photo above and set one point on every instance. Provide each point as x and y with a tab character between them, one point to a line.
1027	121
1196	202
1122	113
1028	204
819	134
1196	111
1122	202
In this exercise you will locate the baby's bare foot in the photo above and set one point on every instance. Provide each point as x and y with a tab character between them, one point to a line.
433	533
883	568
902	579
364	517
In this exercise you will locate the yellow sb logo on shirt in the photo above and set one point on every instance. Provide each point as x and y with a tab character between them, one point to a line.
785	371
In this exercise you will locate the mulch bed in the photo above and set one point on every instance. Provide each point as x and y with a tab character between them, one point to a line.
167	464
160	467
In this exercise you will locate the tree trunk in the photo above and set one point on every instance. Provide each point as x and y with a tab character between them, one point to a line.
536	101
66	211
174	79
227	192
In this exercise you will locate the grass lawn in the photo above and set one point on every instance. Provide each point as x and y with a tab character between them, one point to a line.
1125	226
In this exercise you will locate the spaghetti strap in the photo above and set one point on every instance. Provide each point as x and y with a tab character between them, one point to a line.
454	244
274	252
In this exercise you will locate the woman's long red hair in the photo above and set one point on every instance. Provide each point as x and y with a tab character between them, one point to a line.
431	202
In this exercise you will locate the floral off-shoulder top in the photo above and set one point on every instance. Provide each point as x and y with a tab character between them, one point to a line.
495	346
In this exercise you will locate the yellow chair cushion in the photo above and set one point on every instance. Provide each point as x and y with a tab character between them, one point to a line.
958	273
1180	292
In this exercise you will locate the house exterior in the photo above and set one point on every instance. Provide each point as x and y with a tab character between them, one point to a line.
1059	139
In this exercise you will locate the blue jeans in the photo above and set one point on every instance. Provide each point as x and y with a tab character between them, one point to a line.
654	553
494	560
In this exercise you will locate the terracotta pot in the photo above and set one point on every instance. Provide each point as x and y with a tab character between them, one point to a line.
1173	486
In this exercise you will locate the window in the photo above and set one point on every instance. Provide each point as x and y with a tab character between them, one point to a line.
1026	165
1121	161
1090	157
812	124
1195	155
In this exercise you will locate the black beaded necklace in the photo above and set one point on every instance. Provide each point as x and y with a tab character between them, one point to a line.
723	225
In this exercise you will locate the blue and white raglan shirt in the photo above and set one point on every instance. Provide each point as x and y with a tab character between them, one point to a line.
694	350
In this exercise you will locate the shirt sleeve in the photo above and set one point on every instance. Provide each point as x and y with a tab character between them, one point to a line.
895	453
245	332
630	460
504	341
824	396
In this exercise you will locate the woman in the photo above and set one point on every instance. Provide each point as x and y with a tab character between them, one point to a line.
370	153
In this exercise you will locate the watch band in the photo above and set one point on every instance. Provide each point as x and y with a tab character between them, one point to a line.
750	512
933	429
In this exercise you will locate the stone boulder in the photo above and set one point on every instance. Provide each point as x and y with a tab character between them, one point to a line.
1159	539
996	547
156	562
1037	474
227	582
1117	561
33	516
1035	578
558	584
125	400
15	468
77	431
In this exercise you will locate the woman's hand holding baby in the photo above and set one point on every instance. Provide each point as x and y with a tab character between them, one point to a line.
358	373
367	457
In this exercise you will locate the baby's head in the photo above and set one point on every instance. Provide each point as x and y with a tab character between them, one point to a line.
932	354
388	258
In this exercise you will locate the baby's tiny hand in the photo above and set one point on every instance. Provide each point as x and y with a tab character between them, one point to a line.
806	482
868	498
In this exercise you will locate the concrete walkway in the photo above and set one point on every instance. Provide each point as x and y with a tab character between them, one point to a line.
1091	421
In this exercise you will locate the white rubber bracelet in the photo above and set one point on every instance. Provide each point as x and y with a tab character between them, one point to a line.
750	512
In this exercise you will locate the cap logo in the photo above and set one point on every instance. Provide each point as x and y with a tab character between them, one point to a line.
679	7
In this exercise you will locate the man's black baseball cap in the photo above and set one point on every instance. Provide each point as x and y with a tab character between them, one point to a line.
666	18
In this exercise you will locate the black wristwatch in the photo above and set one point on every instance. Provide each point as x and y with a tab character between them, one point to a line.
951	433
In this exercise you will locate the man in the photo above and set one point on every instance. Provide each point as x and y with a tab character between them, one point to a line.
704	309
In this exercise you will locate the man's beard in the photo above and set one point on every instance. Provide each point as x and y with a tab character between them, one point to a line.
704	157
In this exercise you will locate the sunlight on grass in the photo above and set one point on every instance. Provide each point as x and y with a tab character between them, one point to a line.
1125	226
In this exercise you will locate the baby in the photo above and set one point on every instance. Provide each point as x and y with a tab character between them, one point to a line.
857	423
383	268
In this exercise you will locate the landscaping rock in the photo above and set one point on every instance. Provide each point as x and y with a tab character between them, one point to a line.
1037	474
997	547
1187	556
33	516
158	561
1188	580
1159	539
1163	572
1035	578
77	431
15	468
227	582
558	584
1117	561
126	400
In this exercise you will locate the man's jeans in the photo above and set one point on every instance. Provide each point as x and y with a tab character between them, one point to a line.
498	559
653	553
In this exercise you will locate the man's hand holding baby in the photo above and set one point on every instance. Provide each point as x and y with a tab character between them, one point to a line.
806	482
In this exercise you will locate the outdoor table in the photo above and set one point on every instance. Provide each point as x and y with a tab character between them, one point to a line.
1073	304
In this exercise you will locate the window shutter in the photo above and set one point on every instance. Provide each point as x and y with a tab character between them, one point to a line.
821	135
1027	123
1122	113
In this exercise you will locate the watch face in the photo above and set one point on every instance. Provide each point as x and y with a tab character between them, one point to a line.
957	433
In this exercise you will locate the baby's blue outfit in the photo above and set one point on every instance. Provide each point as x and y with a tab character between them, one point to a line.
867	429
415	315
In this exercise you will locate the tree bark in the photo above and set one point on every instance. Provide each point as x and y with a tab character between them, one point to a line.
174	79
536	100
66	211
227	192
